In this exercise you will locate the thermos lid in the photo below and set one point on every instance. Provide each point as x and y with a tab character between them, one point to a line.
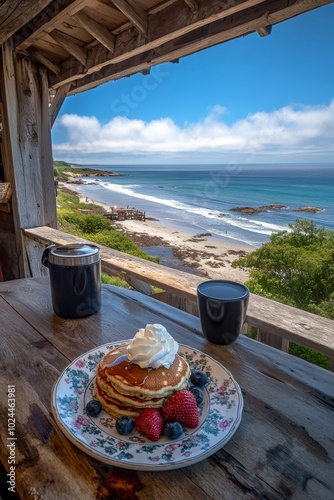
74	255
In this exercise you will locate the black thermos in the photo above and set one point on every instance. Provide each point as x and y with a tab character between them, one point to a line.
75	278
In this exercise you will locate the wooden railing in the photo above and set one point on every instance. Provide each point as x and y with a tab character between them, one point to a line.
277	323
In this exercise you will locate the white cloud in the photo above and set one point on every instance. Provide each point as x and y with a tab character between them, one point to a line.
299	133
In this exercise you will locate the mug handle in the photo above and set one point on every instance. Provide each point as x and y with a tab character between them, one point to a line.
45	256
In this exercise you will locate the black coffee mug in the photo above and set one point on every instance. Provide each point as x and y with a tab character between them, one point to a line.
75	278
222	307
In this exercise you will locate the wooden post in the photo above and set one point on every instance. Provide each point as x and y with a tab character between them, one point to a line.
273	340
28	153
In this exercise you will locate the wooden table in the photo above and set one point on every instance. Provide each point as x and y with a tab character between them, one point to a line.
283	448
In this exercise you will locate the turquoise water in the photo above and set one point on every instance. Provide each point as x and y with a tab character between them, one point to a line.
198	198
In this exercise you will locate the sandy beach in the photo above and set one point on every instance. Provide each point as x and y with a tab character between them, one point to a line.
211	258
206	256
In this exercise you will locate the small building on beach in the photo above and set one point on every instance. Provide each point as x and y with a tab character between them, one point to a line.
119	214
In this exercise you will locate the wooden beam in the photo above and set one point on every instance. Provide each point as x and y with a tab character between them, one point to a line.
97	30
173	50
192	4
164	26
190	41
43	59
264	30
46	21
70	45
16	13
135	13
57	102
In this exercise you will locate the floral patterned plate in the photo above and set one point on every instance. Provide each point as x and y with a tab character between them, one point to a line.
220	416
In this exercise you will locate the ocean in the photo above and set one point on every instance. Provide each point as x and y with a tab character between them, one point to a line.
198	198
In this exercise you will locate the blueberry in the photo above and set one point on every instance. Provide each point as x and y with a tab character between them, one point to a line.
173	430
124	425
198	393
93	408
198	378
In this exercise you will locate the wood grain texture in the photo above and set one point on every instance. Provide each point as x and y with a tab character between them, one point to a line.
100	32
47	20
29	139
282	449
15	13
57	102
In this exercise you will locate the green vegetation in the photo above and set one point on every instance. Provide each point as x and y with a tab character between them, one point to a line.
296	267
75	218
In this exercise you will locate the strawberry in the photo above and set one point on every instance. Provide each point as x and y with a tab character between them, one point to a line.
182	408
150	424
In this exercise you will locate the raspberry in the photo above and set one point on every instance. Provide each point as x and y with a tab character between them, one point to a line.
150	424
182	408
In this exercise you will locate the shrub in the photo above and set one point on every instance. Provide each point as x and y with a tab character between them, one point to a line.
296	267
93	223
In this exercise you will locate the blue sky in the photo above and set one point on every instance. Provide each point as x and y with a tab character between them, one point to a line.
250	100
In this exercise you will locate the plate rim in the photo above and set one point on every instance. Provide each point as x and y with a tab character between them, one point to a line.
187	461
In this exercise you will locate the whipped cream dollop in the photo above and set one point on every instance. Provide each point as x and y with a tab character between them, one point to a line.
152	347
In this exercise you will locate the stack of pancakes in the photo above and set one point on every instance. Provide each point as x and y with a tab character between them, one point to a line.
123	388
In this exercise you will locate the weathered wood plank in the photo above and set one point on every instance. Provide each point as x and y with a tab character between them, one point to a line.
28	144
9	256
45	60
57	102
284	321
16	13
174	300
34	251
72	46
47	20
136	14
283	398
34	425
273	340
97	30
192	4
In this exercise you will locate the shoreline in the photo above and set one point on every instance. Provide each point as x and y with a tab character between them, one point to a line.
207	256
211	258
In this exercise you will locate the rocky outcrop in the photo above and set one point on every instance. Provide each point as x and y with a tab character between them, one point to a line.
252	210
311	210
266	208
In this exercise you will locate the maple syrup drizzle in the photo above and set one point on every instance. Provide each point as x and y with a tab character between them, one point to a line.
131	372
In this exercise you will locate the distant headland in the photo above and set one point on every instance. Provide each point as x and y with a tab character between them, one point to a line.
68	173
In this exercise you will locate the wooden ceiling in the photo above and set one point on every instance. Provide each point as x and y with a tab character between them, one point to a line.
84	43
